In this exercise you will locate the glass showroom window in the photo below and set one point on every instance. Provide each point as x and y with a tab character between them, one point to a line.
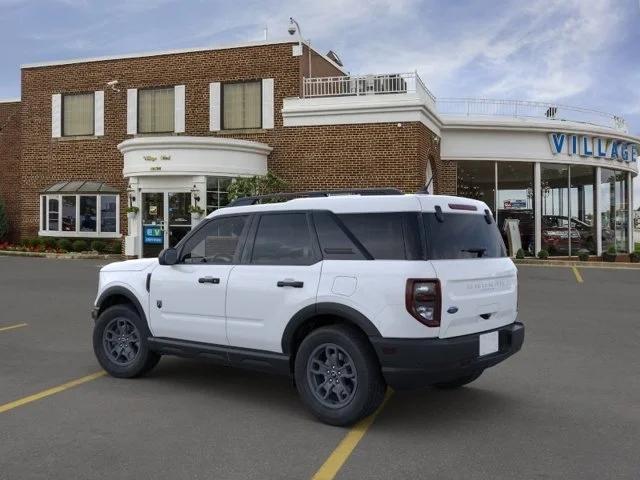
582	204
477	180
516	206
156	110
554	189
217	192
614	194
77	114
242	105
80	215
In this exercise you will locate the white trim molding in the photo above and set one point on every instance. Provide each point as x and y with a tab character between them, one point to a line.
188	156
389	108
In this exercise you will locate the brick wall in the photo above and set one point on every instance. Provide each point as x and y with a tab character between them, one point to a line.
10	162
372	155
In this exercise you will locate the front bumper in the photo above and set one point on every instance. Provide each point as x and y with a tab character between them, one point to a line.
413	363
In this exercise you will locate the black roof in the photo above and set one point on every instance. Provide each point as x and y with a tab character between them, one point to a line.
81	186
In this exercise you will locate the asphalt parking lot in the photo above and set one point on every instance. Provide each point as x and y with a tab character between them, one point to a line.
567	406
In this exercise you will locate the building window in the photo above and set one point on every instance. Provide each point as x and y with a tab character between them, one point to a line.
80	215
477	180
614	194
78	114
217	192
516	203
582	204
242	105
156	110
69	213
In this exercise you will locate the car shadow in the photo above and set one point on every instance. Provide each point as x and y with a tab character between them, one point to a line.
413	410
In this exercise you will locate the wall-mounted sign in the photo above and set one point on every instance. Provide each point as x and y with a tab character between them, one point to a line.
589	146
153	158
153	235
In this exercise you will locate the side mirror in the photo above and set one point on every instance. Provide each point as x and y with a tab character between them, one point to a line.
168	256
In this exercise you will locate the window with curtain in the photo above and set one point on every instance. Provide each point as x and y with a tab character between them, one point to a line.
242	105
156	107
77	114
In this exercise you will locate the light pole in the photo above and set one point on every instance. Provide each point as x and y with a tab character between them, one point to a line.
294	27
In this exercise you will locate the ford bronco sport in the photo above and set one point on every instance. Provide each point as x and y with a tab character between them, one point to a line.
345	293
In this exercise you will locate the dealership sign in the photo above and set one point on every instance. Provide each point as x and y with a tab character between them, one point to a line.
588	146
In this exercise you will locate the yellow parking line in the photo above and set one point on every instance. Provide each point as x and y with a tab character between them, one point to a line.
51	391
11	327
577	274
340	455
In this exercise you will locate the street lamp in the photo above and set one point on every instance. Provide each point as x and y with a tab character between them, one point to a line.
294	27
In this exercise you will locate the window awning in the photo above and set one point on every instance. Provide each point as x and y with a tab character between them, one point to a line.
80	186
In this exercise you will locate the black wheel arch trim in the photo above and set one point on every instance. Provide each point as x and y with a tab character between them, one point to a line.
120	291
326	308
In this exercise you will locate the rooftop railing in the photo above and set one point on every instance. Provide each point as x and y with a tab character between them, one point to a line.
478	107
411	83
356	85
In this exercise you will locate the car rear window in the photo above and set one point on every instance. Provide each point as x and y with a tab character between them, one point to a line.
462	235
386	236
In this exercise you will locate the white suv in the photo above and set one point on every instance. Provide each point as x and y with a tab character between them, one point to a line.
346	293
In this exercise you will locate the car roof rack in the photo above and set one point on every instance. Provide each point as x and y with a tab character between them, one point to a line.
283	197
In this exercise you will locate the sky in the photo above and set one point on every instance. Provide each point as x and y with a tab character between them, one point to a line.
578	52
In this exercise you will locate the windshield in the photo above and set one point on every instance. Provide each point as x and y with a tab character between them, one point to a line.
462	235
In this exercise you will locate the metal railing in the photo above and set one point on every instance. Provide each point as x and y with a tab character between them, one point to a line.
355	85
472	107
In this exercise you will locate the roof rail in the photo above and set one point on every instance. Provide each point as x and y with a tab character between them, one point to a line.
283	197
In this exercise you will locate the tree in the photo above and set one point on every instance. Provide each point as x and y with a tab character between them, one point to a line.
4	221
257	185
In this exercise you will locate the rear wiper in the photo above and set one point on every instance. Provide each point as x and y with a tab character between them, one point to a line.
479	251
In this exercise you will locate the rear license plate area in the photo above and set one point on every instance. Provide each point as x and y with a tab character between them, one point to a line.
488	343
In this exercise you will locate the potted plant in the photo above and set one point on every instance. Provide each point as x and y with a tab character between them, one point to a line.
634	257
196	212
520	254
611	254
583	255
132	212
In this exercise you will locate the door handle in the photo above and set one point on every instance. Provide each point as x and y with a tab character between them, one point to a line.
290	283
209	280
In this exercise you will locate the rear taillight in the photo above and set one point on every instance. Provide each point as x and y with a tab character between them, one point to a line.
423	301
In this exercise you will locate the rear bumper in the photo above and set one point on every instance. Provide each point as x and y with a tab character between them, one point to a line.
413	363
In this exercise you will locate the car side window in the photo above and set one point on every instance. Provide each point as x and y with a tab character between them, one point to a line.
218	242
283	239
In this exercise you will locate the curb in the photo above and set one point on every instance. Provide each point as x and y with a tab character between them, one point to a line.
574	263
62	256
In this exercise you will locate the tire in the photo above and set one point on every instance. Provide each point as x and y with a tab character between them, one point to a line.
352	364
458	382
133	355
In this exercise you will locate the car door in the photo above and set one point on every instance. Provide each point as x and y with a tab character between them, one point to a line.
187	300
279	276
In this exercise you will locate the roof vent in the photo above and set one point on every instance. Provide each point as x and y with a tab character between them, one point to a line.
334	57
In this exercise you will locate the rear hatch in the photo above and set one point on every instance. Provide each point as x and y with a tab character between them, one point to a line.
478	282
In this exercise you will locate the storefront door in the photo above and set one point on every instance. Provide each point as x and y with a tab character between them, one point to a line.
165	220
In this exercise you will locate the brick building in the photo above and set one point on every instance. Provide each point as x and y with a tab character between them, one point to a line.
167	130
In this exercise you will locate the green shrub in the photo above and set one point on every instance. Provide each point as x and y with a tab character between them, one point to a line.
79	246
634	257
28	242
583	255
49	243
99	246
612	250
65	244
543	254
116	247
520	254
